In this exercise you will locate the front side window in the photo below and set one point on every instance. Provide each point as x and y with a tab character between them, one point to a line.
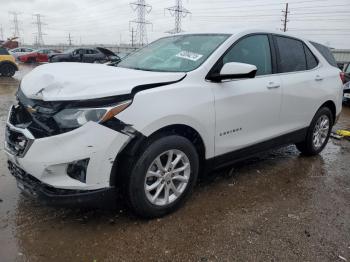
254	50
291	55
181	53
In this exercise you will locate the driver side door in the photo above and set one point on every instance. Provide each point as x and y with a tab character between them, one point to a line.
247	110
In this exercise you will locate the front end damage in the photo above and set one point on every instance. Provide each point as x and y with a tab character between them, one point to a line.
62	165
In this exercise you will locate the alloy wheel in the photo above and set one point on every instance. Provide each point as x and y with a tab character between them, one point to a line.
320	132
167	177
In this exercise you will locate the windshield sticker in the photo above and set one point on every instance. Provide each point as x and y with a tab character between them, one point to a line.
189	55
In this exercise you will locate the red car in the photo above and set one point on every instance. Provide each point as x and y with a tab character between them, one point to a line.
38	56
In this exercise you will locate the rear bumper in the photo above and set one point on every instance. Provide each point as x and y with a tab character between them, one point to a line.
34	188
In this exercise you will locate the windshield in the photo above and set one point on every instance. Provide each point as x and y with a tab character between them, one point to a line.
182	53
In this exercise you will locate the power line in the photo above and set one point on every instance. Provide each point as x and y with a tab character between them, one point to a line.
39	34
285	19
179	12
141	30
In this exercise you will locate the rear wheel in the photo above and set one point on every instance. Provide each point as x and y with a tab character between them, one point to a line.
7	70
163	177
318	133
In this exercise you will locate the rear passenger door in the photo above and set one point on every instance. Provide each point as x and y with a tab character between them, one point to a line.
301	81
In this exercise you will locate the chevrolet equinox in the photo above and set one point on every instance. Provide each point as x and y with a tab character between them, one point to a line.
181	106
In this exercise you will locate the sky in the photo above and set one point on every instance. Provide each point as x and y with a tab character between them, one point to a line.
107	22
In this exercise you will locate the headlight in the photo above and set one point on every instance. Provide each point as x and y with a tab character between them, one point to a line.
73	118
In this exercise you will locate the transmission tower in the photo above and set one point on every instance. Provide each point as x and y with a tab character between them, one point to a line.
179	12
70	40
285	18
15	22
141	29
39	23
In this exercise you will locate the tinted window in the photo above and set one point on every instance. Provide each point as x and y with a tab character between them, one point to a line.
3	51
327	54
254	50
311	60
291	55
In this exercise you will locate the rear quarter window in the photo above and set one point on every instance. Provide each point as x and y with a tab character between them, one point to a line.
326	53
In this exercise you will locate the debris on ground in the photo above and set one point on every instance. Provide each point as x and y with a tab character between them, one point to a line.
336	136
342	258
343	133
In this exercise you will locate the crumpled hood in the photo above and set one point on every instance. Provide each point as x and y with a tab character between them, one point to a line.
77	81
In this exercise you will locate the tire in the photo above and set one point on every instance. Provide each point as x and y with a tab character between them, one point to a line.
310	146
7	70
31	60
138	187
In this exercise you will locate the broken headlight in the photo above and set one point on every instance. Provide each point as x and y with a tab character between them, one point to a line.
76	117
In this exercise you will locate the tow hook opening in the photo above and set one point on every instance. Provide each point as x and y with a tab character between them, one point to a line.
77	169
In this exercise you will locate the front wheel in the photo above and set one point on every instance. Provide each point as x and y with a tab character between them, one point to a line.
163	176
318	133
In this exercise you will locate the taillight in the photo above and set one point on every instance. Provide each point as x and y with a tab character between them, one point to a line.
342	77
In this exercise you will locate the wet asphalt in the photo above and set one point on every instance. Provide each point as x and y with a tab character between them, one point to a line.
279	206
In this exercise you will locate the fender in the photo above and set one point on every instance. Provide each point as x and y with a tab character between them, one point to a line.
6	62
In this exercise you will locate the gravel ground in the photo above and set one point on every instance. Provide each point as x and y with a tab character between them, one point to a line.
277	207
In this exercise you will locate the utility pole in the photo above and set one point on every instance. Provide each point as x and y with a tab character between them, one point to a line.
179	12
285	19
70	40
141	30
132	37
39	24
15	22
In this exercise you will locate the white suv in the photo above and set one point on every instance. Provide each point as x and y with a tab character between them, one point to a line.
177	108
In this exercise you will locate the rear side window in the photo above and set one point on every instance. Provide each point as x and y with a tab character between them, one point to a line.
3	51
327	54
291	55
311	60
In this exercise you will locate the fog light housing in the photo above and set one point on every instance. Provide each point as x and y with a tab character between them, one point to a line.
77	169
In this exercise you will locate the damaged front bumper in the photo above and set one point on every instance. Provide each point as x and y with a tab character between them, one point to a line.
41	165
33	187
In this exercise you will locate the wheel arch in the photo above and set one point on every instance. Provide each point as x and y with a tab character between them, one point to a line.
6	62
331	105
135	147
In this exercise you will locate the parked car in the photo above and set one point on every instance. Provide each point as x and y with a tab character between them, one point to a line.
85	55
38	56
176	109
8	66
16	52
347	93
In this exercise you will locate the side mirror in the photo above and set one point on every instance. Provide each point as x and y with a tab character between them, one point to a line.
235	70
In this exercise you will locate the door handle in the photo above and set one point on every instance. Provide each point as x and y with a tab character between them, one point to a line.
318	78
273	85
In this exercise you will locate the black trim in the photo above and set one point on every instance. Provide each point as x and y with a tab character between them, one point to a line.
218	78
248	152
